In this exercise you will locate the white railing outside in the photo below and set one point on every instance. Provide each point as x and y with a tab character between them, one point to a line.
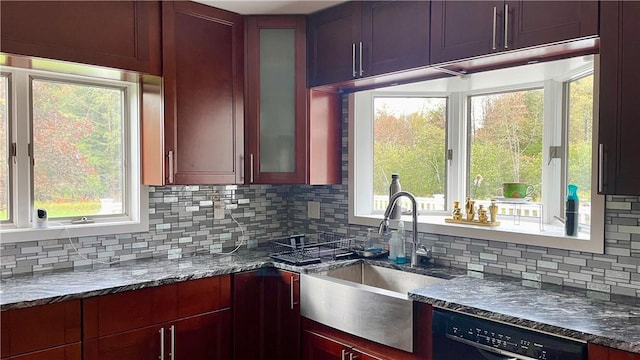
436	203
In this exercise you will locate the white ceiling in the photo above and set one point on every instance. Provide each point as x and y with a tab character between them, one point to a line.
255	7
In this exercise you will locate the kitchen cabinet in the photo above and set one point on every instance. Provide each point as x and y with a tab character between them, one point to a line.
367	38
465	29
618	171
292	134
598	352
266	312
190	319
58	335
122	34
203	62
320	342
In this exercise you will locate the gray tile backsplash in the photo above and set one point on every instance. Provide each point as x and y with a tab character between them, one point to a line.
181	223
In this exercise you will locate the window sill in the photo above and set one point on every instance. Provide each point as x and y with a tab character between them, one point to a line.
525	233
60	231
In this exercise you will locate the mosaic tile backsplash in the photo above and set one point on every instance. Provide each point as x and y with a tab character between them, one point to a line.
181	223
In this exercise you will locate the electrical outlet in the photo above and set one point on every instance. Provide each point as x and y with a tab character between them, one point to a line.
313	210
218	210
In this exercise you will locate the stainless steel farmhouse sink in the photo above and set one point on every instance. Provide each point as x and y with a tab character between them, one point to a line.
364	300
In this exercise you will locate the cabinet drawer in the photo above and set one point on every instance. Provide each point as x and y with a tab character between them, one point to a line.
40	327
204	295
111	314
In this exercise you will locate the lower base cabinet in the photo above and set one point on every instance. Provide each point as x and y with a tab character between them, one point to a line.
598	352
266	315
47	332
187	320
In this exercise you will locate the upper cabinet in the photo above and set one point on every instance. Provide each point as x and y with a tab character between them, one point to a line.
203	62
618	171
118	34
464	29
292	134
359	39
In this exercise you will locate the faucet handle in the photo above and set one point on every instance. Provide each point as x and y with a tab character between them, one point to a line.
423	251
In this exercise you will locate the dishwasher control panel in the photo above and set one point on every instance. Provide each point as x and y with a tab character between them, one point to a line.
505	339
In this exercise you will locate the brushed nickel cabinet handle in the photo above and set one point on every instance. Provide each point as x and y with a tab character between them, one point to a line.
161	331
600	165
361	69
170	167
293	279
495	14
342	354
251	168
353	59
506	26
172	354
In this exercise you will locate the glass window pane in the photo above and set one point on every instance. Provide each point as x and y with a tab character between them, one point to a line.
78	148
5	188
410	140
505	142
579	142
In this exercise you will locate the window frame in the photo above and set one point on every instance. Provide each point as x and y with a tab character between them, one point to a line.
457	137
135	195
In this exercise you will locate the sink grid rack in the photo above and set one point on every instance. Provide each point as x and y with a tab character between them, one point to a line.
311	248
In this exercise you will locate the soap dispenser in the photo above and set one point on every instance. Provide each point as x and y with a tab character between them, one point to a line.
393	248
401	252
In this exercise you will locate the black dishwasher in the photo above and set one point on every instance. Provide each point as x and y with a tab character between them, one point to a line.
460	336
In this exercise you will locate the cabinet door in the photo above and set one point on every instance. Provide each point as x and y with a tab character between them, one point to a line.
599	352
464	29
333	38
395	35
203	93
142	343
56	324
266	315
206	337
276	100
111	314
619	125
544	22
318	347
121	34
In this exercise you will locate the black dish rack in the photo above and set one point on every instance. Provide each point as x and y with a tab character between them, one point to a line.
311	248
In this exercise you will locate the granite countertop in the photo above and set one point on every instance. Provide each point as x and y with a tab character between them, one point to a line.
588	316
597	318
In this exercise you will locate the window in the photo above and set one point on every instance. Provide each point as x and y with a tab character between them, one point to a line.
5	165
461	137
76	155
410	139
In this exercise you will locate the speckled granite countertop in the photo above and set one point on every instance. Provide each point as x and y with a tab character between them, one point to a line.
597	318
577	314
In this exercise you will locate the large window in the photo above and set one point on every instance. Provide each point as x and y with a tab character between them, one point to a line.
464	137
410	139
77	148
72	148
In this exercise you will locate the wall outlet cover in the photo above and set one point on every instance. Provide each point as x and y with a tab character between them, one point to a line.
313	210
218	210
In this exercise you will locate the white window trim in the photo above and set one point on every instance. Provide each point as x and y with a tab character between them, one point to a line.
434	224
136	214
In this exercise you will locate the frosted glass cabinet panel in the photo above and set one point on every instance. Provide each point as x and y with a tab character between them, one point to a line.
277	100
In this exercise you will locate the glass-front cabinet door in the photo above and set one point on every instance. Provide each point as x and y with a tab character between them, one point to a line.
276	127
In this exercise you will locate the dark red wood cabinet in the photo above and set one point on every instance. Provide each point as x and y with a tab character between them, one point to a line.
598	352
367	38
266	315
292	134
320	342
465	29
190	320
121	34
57	337
203	63
618	171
